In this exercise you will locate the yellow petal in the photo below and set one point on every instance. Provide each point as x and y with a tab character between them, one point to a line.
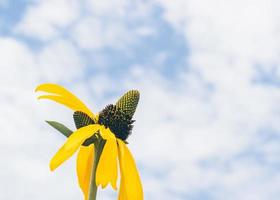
106	133
122	192
61	100
73	142
84	167
107	169
53	88
66	96
130	179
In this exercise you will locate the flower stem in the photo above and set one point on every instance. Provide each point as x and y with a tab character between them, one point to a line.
98	147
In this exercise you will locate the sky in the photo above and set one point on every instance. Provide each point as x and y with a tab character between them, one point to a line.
208	121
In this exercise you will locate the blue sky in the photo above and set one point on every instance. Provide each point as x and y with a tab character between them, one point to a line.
207	125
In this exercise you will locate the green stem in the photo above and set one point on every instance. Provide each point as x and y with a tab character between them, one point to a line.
98	147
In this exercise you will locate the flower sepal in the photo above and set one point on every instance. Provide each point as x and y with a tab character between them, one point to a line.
61	128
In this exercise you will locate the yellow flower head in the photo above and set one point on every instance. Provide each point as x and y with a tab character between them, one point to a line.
100	139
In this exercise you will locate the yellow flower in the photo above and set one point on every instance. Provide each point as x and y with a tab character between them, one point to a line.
113	124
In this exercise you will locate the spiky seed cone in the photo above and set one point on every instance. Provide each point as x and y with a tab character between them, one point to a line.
82	119
128	102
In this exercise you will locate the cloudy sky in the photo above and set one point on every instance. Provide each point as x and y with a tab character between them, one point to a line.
208	121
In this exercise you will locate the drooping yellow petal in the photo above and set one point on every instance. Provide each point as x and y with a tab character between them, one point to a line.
73	142
61	100
107	169
53	88
66	96
130	179
122	192
106	133
84	167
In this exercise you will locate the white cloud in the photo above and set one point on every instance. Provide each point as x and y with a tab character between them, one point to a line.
93	33
109	24
116	8
120	9
91	24
17	63
60	61
236	30
44	19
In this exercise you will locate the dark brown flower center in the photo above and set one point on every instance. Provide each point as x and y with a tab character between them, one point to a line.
119	123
